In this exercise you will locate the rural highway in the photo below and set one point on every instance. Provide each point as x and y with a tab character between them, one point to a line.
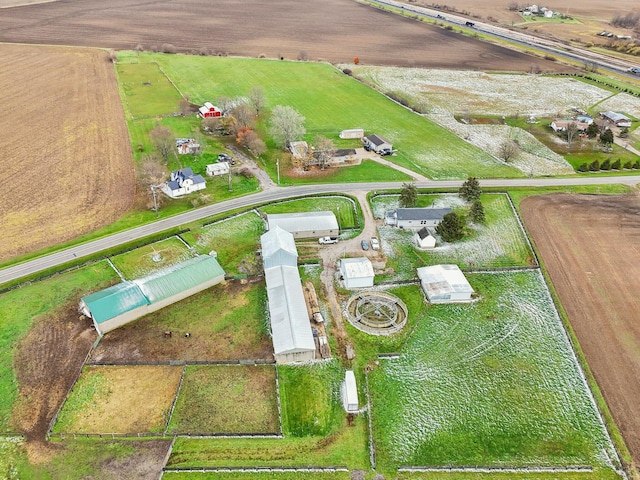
271	195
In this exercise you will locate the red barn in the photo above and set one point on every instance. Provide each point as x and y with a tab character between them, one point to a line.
209	110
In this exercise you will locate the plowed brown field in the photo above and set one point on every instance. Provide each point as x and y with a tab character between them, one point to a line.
332	30
590	245
65	154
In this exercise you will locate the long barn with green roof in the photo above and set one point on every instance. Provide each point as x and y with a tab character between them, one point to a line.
129	300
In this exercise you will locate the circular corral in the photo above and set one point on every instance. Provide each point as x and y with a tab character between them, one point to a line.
376	312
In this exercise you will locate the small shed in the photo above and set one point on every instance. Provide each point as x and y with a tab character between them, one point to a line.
216	169
356	272
299	149
424	238
350	392
278	248
444	284
186	146
306	224
377	144
352	133
208	110
616	118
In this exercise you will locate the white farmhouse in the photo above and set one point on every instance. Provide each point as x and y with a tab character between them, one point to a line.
183	182
415	217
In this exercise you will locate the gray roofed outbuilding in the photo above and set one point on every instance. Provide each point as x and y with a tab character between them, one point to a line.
306	224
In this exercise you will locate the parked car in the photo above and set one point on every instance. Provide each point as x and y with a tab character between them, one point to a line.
364	244
327	240
375	245
223	157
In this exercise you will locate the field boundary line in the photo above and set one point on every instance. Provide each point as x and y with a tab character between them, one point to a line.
176	363
175	400
115	269
337	468
372	445
169	79
522	229
278	399
166	457
532	469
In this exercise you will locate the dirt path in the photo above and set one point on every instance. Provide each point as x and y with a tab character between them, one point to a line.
347	248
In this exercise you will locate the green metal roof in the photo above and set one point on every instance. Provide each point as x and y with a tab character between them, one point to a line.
114	301
180	277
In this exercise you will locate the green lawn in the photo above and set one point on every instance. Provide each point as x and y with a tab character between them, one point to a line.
227	399
489	383
146	91
32	303
346	210
330	101
150	258
265	475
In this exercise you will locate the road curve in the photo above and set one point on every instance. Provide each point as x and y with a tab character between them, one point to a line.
274	194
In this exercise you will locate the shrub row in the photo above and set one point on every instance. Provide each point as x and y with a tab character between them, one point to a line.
596	166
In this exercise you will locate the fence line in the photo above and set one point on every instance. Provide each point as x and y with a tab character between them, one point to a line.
477	469
133	363
175	400
372	445
166	457
524	232
310	469
278	399
156	435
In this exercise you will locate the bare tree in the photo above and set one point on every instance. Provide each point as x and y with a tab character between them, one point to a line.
211	124
184	105
508	149
257	100
152	175
162	138
250	140
325	150
571	132
225	104
244	115
139	48
287	124
113	56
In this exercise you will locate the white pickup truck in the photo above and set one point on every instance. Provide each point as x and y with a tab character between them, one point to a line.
327	240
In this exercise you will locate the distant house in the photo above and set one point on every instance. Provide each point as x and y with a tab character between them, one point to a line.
306	224
187	146
415	217
588	119
350	392
356	272
288	315
129	300
377	144
424	238
618	119
215	169
299	149
183	182
561	125
444	284
208	110
352	133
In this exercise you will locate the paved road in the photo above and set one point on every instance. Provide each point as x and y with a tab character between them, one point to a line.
271	195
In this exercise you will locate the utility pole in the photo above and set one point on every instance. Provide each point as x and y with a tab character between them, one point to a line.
230	187
278	168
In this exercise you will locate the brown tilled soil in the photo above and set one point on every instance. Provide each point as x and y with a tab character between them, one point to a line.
47	363
65	153
590	245
333	30
145	464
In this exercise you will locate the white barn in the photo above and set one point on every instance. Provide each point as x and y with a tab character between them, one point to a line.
352	133
215	169
424	238
356	272
444	284
306	224
290	325
350	392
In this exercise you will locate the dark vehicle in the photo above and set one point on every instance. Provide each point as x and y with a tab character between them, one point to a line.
439	16
223	157
386	151
634	70
470	24
364	244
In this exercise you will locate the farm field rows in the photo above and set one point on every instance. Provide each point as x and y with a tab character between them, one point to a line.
594	276
65	147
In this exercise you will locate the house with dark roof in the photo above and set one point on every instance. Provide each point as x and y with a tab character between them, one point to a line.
377	144
183	182
415	218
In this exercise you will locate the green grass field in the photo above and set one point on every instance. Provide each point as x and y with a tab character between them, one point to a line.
150	258
346	210
146	91
265	475
330	101
227	399
24	306
489	383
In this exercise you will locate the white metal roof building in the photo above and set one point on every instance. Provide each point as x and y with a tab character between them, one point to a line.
306	224
278	248
444	284
290	327
356	272
350	392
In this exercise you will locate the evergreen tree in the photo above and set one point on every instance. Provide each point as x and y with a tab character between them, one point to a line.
408	195
616	165
606	165
477	212
470	189
594	166
451	227
606	137
592	130
583	168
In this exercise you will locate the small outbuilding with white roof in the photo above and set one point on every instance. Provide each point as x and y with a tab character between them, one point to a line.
356	272
306	224
444	284
350	392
